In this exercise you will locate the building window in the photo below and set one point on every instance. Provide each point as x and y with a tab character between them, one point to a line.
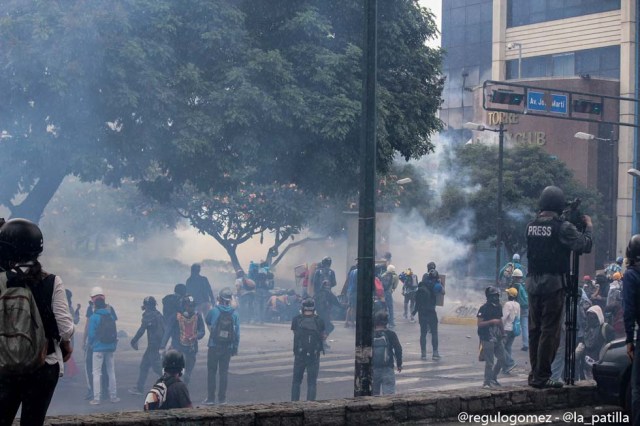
525	12
597	63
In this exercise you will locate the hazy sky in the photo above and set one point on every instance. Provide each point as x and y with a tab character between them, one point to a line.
436	8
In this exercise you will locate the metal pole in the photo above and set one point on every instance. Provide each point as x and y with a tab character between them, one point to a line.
499	212
367	210
519	61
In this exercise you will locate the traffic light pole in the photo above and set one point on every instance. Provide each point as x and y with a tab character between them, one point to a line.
367	210
499	212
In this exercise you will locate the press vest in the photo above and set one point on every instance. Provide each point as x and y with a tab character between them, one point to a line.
545	252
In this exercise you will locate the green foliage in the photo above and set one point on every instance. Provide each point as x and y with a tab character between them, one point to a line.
527	171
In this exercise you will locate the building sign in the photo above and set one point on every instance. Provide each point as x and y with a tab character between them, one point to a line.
496	118
559	103
535	101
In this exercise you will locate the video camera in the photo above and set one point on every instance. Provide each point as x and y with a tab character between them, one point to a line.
572	214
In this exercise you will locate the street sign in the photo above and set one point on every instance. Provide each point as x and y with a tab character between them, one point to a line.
535	101
559	103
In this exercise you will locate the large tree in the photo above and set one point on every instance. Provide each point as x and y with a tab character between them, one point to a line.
470	192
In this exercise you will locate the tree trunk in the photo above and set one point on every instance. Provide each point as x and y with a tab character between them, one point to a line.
231	251
33	206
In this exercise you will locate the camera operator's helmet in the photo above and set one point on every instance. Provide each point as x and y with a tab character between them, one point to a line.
491	290
619	260
633	248
517	273
20	239
188	301
516	258
149	302
173	361
308	304
225	294
552	199
381	318
326	262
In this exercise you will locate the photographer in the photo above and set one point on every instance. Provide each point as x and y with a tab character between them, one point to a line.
550	241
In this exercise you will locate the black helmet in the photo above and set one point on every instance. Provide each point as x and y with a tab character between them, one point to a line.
381	318
491	290
20	239
173	361
308	304
431	265
149	302
326	262
633	248
552	199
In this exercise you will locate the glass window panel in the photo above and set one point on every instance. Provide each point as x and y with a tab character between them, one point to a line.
524	12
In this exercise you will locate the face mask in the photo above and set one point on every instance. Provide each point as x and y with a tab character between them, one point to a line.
494	299
593	321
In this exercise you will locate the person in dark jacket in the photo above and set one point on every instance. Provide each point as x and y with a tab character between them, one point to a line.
153	325
631	302
177	392
222	346
198	286
325	300
172	303
308	335
550	241
428	288
384	376
185	329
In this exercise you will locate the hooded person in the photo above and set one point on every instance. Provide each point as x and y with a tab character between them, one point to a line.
152	324
491	334
308	337
597	333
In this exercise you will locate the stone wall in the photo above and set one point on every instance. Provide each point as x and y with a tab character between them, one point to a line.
395	409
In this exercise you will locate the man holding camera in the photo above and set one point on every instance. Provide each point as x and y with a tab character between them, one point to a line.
550	241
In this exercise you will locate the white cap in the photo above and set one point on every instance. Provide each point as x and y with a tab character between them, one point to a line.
517	273
96	291
391	268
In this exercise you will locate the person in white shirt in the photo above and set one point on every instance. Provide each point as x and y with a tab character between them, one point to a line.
510	312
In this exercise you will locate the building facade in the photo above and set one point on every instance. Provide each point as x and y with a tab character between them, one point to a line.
588	46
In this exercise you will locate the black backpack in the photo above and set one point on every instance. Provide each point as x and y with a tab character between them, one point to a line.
224	331
107	332
307	336
381	349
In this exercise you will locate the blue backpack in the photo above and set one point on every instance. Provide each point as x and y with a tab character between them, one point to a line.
517	328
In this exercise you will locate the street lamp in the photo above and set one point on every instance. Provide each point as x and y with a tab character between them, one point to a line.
500	130
634	172
590	137
511	46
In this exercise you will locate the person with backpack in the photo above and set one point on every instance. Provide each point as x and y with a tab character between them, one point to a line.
325	300
386	348
224	339
425	307
389	283
517	282
199	288
409	288
491	332
103	340
308	337
185	329
323	273
29	373
512	327
96	293
172	303
153	325
169	391
246	290
506	272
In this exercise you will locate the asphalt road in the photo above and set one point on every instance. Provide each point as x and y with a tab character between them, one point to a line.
262	370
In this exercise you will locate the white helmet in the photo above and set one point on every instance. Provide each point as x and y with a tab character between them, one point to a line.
391	268
96	291
517	273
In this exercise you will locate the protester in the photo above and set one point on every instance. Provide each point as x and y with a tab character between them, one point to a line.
153	325
523	301
32	381
308	336
224	339
512	327
246	291
550	241
199	288
169	391
389	282
172	303
352	297
386	349
323	273
409	289
103	339
596	334
325	301
491	332
428	289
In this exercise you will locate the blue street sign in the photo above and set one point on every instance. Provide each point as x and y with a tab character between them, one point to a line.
559	103
535	101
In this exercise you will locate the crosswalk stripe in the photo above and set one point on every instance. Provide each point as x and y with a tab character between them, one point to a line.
286	360
466	384
427	366
404	372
